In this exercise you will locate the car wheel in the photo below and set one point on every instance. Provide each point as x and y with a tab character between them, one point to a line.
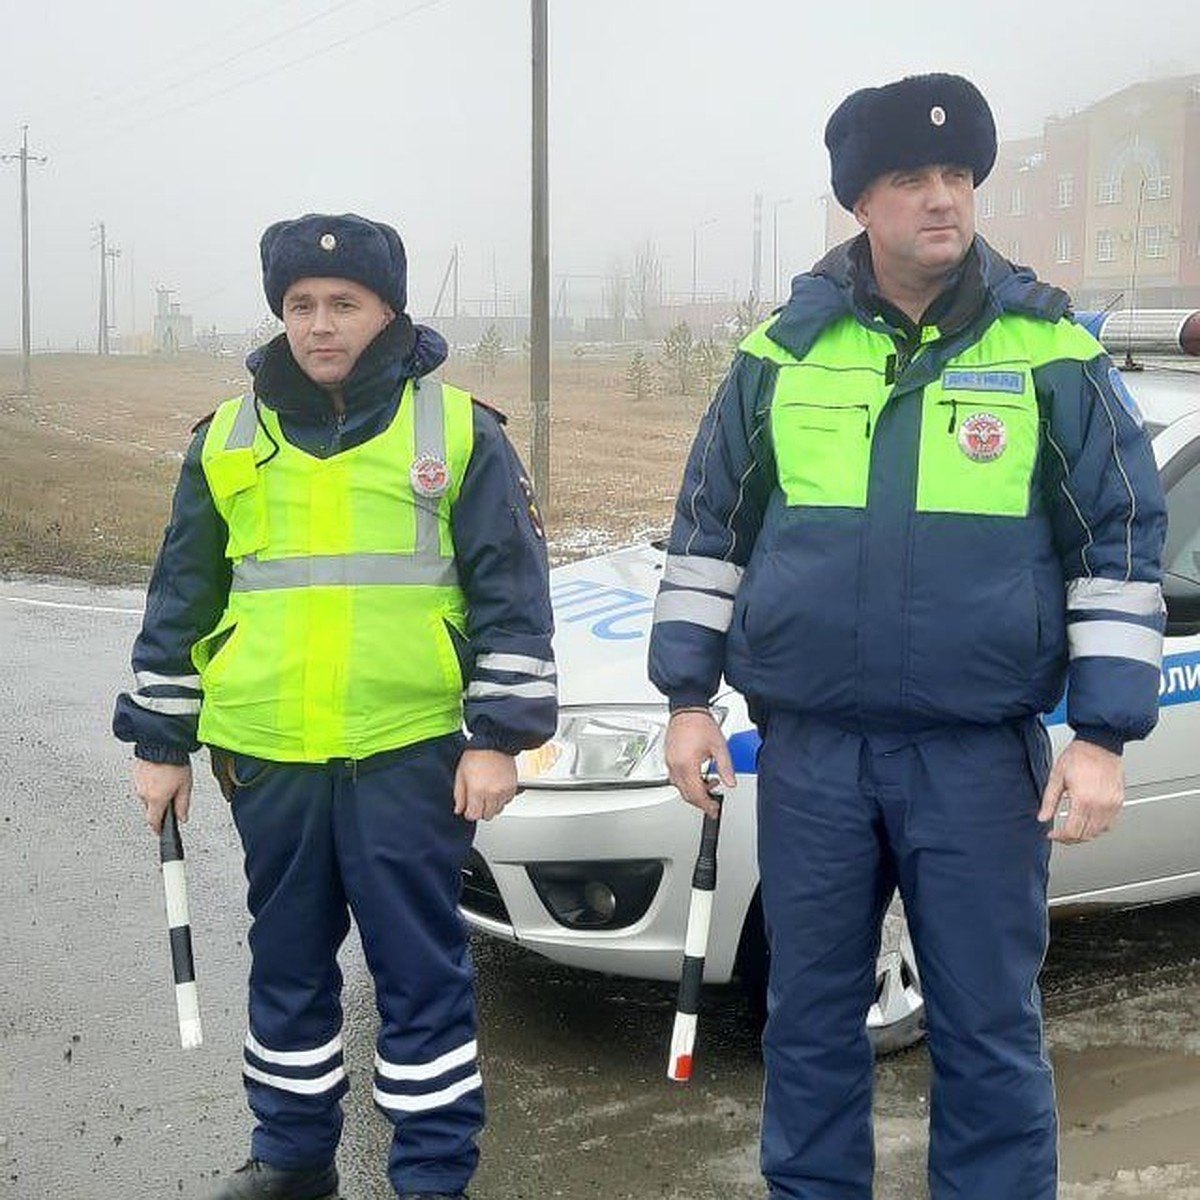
896	1019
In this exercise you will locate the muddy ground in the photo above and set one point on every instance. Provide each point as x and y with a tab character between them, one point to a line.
98	1102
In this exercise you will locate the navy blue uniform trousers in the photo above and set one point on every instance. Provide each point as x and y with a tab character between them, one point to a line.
950	819
378	839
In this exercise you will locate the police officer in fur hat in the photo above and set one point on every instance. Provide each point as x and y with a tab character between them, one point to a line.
354	570
920	504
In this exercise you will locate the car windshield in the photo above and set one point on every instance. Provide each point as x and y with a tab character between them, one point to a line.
1181	559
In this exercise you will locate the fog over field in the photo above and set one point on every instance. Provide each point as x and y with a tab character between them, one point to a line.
186	129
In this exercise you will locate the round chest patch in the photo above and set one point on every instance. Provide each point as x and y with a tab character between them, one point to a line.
937	115
429	475
982	437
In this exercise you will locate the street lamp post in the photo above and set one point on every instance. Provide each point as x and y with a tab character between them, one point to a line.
695	241
539	317
775	245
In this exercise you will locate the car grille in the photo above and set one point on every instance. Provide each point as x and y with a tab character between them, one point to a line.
480	895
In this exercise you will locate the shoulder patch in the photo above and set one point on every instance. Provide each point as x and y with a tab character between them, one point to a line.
1117	382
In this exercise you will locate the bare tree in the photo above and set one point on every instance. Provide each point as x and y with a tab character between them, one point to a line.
747	315
712	359
615	294
646	286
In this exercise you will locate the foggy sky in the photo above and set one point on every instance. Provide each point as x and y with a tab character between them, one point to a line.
188	130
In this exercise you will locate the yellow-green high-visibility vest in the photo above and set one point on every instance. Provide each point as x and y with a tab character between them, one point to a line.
980	422
338	639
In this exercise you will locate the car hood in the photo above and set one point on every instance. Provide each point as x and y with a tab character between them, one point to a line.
603	607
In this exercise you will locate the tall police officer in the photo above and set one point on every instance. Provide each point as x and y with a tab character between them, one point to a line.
920	501
352	545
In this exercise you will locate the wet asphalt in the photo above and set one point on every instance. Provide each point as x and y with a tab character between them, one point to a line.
98	1101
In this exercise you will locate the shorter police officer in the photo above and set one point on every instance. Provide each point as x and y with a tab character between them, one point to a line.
353	548
919	503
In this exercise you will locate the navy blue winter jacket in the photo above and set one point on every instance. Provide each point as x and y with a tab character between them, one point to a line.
499	548
886	617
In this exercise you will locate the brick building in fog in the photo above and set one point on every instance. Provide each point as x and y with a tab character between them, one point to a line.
1104	203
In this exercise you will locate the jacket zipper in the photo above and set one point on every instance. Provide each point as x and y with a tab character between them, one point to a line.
968	404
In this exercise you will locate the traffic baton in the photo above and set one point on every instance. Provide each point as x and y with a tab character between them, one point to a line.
187	1001
695	946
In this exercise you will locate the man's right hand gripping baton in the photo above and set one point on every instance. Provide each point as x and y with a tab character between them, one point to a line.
187	1001
695	947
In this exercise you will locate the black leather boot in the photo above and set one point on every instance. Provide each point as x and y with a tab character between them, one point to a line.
258	1181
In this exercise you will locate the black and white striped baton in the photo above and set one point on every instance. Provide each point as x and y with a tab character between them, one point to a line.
695	946
187	1001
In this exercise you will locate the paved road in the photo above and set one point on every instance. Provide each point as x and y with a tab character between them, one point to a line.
97	1101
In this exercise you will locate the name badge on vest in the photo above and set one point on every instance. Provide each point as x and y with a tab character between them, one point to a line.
982	437
429	476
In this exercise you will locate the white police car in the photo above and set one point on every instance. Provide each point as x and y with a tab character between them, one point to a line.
591	864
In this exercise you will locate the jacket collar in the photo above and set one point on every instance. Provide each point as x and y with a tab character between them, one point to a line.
843	284
400	352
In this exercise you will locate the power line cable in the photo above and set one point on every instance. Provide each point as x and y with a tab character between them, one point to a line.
165	65
159	91
266	73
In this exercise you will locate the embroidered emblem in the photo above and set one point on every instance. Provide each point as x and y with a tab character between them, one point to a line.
937	115
328	241
982	437
429	475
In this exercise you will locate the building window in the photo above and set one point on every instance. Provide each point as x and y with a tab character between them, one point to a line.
1066	191
1016	203
987	206
1154	241
1106	246
1108	191
1062	248
1158	187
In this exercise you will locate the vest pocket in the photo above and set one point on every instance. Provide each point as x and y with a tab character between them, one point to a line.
212	650
823	452
245	515
978	451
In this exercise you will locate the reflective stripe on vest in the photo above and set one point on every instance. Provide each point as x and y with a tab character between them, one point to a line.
344	615
979	418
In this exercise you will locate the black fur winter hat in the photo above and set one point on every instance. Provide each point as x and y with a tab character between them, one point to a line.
914	122
342	247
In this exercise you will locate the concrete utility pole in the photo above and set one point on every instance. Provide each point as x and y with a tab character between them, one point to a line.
102	338
539	317
756	260
24	158
113	253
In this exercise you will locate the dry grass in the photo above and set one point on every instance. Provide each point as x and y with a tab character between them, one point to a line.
88	463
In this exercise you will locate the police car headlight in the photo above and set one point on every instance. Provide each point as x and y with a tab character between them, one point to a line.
597	746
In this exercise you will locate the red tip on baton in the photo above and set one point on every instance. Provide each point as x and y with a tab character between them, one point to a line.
695	947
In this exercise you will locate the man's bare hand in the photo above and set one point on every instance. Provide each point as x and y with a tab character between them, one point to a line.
158	784
693	741
486	780
1092	782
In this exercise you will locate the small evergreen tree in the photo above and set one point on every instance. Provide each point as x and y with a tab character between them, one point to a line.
488	352
639	379
678	357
